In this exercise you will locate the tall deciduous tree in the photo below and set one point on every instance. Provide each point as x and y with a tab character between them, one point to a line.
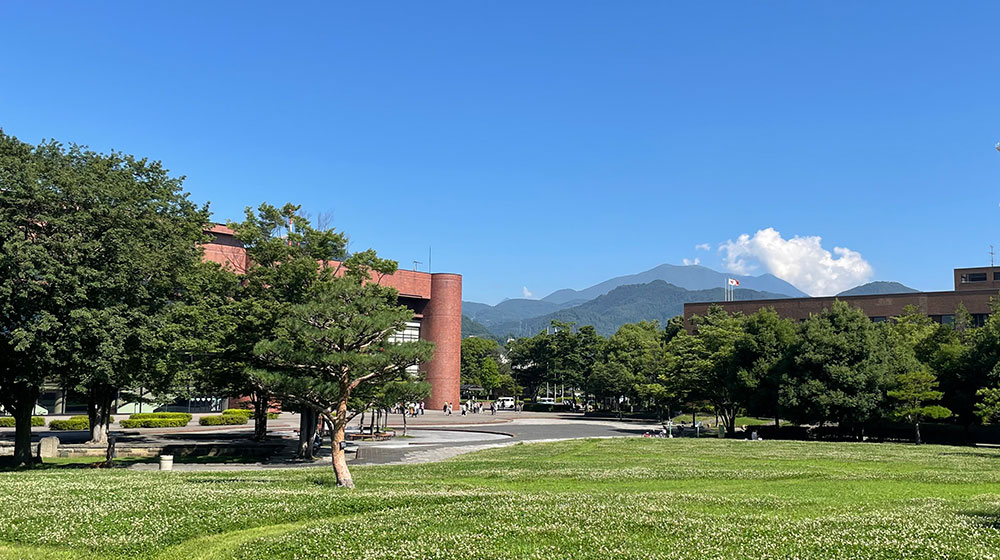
764	353
337	339
108	238
709	363
38	248
142	235
840	370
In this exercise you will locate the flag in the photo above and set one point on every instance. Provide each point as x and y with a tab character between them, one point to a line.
734	282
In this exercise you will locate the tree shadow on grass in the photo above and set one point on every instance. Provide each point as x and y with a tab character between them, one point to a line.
980	454
987	519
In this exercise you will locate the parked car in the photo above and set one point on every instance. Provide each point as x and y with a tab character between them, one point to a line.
546	400
505	402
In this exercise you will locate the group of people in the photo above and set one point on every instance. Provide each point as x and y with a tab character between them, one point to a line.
412	409
470	407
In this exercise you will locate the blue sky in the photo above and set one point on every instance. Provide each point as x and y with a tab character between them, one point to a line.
542	145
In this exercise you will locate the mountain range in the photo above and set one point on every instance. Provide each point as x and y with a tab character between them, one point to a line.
656	294
876	288
694	277
656	300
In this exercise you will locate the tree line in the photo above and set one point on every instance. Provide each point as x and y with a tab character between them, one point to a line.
836	368
104	289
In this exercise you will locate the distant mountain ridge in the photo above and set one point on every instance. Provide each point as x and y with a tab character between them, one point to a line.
694	277
875	288
688	277
656	300
510	310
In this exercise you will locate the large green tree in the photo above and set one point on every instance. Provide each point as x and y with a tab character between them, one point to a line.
337	340
709	363
108	240
841	373
632	358
142	235
38	249
765	355
285	256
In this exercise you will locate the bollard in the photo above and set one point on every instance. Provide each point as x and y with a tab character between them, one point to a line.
166	462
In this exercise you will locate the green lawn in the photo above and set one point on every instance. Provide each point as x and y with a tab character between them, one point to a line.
600	499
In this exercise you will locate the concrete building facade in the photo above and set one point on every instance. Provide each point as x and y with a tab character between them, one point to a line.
436	301
974	288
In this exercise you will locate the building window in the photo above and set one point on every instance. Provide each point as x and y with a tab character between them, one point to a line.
943	319
973	277
996	276
979	319
878	319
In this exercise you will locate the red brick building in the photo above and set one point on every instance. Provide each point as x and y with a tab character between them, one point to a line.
436	301
974	288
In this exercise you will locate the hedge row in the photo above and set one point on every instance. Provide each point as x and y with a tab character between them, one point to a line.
150	415
73	423
223	420
8	421
155	422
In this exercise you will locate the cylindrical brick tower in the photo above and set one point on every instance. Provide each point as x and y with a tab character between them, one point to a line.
442	325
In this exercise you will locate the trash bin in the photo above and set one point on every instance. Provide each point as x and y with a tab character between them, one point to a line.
166	462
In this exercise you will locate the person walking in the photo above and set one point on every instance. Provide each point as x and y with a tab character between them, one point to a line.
421	408
493	408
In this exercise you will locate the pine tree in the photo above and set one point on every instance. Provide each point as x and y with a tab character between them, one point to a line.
337	341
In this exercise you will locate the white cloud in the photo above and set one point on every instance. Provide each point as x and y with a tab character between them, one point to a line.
525	292
703	247
689	262
801	261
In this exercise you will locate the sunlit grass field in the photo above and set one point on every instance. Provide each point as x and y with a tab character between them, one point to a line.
600	499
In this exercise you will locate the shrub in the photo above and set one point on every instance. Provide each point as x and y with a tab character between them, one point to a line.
224	420
155	422
73	423
186	416
8	421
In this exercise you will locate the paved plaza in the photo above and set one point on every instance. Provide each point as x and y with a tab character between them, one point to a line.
433	436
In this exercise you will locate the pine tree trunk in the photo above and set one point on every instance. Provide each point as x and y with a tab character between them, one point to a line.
344	478
262	400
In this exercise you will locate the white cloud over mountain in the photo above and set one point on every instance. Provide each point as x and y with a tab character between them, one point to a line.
802	261
689	262
526	293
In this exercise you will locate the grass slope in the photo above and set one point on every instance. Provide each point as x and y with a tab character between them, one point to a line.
622	498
